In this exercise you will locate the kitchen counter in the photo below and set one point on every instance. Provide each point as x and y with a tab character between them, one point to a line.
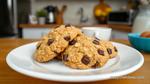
9	76
37	30
119	27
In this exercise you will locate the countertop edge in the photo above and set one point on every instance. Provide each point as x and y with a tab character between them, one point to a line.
118	27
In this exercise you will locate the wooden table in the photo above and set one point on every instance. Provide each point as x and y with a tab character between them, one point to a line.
9	76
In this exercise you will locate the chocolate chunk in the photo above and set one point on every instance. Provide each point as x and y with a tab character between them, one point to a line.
50	41
67	38
72	42
65	57
95	65
115	49
58	58
96	42
78	34
109	51
56	53
67	25
97	38
85	60
100	52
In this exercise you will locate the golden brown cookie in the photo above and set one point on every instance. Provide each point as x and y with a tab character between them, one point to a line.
84	53
55	42
43	53
111	49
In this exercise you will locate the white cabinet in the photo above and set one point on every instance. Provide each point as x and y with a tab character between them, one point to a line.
34	33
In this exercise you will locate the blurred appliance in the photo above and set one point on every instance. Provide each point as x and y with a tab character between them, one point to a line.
120	17
7	18
51	14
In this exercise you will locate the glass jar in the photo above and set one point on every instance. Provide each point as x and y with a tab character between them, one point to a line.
101	12
142	21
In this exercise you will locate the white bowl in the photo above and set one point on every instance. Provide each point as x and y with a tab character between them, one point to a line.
98	32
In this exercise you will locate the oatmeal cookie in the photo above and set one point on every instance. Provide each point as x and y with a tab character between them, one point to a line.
84	53
111	49
55	42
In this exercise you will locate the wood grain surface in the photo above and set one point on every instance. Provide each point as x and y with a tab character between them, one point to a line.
9	76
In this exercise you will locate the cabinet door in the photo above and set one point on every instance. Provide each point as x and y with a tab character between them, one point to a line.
34	33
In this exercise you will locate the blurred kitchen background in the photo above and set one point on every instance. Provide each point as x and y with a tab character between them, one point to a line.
31	19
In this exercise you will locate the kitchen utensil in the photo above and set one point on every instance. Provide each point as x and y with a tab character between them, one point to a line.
60	13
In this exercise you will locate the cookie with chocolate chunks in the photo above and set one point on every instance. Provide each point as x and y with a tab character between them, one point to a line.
84	53
111	49
55	42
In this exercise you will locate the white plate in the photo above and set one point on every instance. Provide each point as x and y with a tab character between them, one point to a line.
127	61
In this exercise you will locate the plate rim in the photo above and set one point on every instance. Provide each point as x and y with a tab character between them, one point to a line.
63	78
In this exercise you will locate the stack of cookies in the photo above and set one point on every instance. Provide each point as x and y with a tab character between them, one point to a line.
76	50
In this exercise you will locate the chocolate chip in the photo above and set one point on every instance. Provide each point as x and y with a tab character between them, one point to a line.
65	57
58	58
85	60
100	52
95	65
109	51
38	46
67	25
50	41
67	38
115	49
78	35
96	42
56	52
72	42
